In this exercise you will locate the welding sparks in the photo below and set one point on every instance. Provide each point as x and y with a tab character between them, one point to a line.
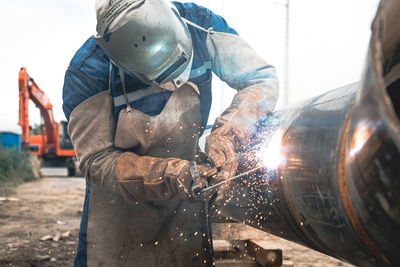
270	155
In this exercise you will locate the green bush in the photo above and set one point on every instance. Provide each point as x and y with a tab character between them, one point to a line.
15	167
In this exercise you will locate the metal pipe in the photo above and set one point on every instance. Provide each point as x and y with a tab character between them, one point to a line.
332	164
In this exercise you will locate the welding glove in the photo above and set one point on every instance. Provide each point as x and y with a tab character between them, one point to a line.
236	63
143	178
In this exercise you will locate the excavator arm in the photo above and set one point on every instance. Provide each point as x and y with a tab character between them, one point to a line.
28	90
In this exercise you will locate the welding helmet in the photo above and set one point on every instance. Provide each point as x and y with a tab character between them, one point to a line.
146	38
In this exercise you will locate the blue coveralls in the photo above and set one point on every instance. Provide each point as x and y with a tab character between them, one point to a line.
88	74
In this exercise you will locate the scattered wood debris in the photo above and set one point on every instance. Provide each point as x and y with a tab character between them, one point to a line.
56	237
8	199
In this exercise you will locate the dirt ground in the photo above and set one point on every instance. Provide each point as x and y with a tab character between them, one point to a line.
50	207
50	210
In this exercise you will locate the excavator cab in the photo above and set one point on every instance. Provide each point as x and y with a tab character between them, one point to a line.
65	142
64	147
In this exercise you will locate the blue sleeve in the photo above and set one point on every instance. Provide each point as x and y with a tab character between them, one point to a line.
76	90
86	76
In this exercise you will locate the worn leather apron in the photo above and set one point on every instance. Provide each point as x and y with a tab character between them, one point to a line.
157	233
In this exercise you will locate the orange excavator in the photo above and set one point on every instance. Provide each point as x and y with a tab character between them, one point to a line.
53	145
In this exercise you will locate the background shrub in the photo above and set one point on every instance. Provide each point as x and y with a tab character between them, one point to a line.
15	167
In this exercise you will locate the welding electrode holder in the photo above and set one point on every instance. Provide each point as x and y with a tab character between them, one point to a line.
199	183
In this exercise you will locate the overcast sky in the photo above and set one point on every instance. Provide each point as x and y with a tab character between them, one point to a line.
328	44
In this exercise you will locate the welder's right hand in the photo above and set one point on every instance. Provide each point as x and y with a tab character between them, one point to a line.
185	181
143	178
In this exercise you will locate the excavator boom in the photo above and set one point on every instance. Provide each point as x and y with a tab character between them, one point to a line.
28	90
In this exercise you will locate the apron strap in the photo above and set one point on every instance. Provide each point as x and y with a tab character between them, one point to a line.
128	107
109	77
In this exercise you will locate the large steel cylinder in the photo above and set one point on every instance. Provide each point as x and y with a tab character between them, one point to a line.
331	176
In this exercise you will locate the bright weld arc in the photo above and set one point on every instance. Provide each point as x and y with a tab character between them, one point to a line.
270	155
360	138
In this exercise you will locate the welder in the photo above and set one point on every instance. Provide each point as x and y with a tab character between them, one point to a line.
137	96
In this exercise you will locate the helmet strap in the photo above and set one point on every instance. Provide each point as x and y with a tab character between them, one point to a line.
209	31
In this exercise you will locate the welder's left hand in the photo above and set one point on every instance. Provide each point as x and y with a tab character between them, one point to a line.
221	152
234	129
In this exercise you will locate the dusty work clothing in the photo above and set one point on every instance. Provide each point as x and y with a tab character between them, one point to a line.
159	229
87	82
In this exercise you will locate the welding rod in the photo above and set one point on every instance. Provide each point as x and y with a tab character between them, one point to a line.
230	179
